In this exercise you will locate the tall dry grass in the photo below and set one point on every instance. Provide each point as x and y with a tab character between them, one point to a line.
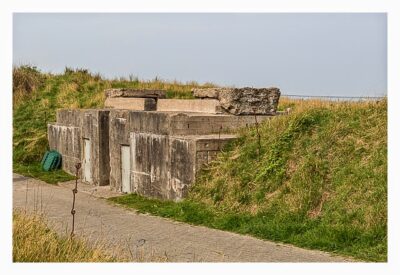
35	241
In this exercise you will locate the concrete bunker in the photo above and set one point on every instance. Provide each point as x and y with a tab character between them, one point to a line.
144	143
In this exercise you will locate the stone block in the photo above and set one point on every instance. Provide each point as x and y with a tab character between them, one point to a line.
243	101
189	105
140	104
135	93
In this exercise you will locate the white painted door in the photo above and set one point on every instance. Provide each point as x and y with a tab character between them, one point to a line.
126	168
87	160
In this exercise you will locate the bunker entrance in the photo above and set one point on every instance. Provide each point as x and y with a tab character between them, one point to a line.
125	169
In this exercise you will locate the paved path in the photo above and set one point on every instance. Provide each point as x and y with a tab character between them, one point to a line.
145	237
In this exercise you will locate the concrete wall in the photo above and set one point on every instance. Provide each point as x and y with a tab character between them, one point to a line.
175	123
164	166
119	123
149	164
67	141
207	148
68	133
203	124
167	148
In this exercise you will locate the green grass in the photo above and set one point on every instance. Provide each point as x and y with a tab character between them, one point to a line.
319	182
34	170
285	228
37	96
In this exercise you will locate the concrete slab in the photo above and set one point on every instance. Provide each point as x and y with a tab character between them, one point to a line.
141	104
190	105
203	124
138	93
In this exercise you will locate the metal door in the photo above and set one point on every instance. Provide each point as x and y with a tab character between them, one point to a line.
87	160
126	168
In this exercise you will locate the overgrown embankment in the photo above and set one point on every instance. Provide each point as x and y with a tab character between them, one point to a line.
37	96
318	179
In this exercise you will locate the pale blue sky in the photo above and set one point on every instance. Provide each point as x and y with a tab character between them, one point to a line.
315	54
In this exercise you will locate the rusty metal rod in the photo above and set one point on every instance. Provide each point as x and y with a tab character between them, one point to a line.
74	191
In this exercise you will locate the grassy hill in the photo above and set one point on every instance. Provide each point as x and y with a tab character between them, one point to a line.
320	181
316	178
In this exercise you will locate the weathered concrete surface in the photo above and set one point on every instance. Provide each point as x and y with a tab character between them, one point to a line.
119	136
204	124
127	232
165	166
190	105
67	136
208	146
140	104
136	93
67	141
243	101
176	123
167	148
